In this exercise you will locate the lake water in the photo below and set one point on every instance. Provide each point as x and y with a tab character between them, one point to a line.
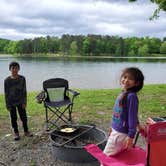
82	73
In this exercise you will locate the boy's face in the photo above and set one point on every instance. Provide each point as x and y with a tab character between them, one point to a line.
14	71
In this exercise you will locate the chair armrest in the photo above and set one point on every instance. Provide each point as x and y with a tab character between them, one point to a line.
40	97
74	93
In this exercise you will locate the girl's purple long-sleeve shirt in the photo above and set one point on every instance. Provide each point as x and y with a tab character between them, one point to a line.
125	118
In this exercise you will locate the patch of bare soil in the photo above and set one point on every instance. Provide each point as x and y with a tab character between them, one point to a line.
35	151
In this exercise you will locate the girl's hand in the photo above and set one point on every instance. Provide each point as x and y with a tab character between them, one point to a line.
128	143
142	129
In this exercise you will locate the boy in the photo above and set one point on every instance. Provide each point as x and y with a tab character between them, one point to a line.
16	99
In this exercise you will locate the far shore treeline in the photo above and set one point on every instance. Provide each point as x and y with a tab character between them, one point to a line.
90	45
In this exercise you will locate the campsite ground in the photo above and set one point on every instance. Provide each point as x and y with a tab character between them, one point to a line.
36	151
91	107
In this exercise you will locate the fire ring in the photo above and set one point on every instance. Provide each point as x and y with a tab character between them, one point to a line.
70	148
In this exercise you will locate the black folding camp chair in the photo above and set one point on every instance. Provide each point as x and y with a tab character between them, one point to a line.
58	102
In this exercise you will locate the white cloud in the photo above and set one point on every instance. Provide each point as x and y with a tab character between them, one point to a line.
32	18
116	29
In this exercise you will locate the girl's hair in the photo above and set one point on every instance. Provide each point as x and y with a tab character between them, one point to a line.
138	78
14	64
137	75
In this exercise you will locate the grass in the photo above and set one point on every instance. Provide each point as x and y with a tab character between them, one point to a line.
92	106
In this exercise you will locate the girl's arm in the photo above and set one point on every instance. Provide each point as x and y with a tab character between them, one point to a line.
132	104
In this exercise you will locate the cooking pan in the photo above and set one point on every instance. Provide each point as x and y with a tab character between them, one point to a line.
68	130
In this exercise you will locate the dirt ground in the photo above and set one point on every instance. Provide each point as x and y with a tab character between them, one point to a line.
35	151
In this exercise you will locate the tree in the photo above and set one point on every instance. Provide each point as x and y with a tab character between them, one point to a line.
25	46
65	42
86	46
73	48
143	51
161	7
120	47
131	53
11	48
154	45
52	44
3	43
163	48
135	44
79	40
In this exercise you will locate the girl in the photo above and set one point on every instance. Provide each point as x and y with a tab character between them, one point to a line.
125	115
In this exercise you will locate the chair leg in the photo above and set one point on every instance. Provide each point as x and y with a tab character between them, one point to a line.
46	128
46	122
51	121
70	112
148	156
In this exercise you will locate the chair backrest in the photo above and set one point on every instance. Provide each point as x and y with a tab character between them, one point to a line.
156	139
55	89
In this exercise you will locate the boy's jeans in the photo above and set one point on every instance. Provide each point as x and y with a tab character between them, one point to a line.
23	117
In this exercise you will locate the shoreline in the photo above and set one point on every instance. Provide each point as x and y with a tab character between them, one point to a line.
90	89
79	56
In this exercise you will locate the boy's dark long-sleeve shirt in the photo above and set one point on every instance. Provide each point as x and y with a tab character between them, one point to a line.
15	91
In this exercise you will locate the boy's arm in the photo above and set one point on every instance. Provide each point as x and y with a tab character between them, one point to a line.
6	91
24	93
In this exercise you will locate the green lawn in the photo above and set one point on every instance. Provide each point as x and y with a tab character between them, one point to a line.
92	106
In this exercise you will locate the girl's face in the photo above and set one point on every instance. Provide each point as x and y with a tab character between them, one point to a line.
14	71
127	81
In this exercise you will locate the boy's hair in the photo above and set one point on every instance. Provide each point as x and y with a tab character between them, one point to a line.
138	77
14	64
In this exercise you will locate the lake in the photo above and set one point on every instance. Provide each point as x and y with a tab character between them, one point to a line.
82	73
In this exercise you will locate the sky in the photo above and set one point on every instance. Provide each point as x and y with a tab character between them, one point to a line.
20	19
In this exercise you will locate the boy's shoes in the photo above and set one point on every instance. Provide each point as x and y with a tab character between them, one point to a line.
16	136
28	134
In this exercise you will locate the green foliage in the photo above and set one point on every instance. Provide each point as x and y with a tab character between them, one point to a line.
163	48
65	43
161	6
3	44
131	53
11	47
120	47
90	45
143	51
86	46
154	45
73	48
